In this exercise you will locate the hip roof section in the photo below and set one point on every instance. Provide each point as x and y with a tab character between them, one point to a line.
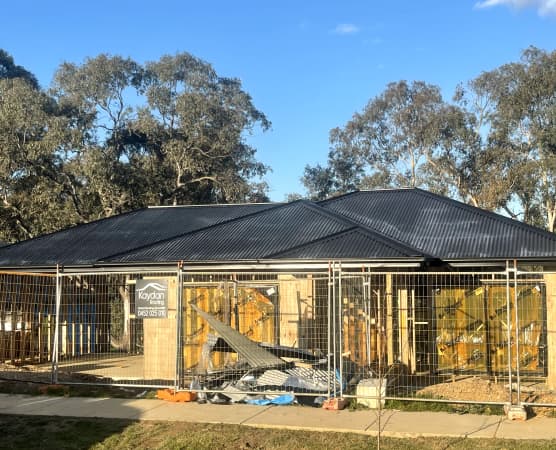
293	230
447	229
88	243
380	225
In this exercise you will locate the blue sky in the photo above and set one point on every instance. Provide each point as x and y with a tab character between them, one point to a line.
309	65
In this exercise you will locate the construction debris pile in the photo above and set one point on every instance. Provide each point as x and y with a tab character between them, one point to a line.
264	373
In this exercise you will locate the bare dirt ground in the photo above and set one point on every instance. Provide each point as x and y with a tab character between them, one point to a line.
484	390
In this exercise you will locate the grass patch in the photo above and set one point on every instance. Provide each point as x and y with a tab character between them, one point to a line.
454	408
433	406
77	390
35	432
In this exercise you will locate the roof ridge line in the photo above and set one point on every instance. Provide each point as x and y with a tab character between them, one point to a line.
214	225
361	191
386	240
211	205
295	247
490	215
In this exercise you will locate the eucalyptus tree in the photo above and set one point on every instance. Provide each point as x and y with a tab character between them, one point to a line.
99	96
195	124
35	199
522	132
320	183
384	145
494	146
9	69
527	123
113	135
465	165
172	131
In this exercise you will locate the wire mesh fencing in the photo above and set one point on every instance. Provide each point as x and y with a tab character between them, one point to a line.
445	337
362	334
108	334
27	325
256	333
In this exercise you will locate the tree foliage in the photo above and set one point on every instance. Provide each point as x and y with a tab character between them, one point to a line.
384	145
34	196
112	135
493	145
9	70
196	121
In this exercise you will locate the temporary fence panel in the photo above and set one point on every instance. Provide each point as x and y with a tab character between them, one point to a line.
27	323
108	333
464	337
242	331
478	337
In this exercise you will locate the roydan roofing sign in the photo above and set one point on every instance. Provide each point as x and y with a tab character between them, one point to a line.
151	299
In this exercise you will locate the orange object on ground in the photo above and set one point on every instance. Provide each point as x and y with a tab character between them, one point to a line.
170	395
334	403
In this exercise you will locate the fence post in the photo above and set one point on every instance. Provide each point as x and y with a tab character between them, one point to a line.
334	324
54	374
517	362
328	327
179	329
550	324
340	331
509	327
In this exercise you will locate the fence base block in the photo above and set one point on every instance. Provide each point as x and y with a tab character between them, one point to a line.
515	412
334	404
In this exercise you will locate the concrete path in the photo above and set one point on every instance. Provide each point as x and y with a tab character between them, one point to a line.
393	423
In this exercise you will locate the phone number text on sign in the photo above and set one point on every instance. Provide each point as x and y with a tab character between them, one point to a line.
152	313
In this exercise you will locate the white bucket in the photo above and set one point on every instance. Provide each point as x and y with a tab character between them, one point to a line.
374	390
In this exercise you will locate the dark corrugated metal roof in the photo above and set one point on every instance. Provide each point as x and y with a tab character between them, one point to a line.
87	243
442	227
257	236
355	243
379	225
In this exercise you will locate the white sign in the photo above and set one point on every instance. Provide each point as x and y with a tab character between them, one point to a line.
151	299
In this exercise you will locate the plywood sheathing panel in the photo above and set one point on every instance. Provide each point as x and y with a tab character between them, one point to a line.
160	340
296	311
550	280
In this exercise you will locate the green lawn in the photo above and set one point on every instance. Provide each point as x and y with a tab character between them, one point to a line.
37	432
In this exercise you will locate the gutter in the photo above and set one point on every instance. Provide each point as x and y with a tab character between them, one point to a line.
213	266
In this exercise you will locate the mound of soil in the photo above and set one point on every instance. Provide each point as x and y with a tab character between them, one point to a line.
477	389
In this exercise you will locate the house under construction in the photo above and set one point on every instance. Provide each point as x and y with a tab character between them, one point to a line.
352	286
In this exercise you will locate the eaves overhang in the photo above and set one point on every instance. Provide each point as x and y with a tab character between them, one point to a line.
267	264
499	262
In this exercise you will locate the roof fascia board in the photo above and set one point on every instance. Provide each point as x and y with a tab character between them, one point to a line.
257	265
